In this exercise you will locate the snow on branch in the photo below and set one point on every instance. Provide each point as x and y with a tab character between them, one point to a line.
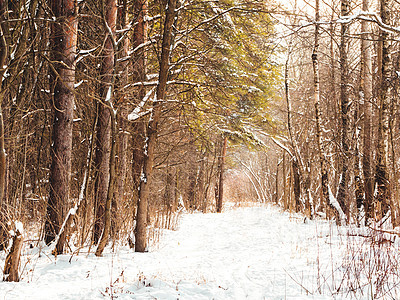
278	143
218	15
369	16
137	112
156	82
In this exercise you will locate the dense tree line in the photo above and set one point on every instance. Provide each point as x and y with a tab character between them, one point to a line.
114	115
336	150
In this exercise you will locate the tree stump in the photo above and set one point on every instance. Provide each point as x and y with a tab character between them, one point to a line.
13	258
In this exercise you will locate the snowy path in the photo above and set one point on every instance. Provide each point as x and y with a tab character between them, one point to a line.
245	253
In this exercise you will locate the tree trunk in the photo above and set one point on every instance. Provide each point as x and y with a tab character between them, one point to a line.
297	173
358	186
286	204
191	191
296	184
3	168
63	49
152	130
306	187
169	196
366	89
3	162
394	199
3	62
139	75
121	99
221	166
323	169
108	207
381	176
11	264
110	18
343	193
201	184
103	149
65	230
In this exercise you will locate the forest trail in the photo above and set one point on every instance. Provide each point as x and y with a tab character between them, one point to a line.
243	253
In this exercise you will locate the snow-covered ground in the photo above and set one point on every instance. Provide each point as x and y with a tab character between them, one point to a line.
244	253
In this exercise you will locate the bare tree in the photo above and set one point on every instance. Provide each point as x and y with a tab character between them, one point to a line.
139	75
109	69
3	165
322	160
63	50
152	129
343	193
366	92
122	102
381	176
103	146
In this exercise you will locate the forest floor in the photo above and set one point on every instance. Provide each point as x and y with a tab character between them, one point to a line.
255	252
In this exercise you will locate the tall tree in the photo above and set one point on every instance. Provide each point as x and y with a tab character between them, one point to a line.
63	50
152	129
109	14
104	125
3	66
122	102
343	193
139	75
296	158
322	160
381	175
366	92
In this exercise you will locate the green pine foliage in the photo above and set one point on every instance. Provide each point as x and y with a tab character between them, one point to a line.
227	59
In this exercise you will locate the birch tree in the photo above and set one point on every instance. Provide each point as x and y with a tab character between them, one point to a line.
382	183
343	193
322	161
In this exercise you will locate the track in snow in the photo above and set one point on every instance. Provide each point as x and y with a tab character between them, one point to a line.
243	253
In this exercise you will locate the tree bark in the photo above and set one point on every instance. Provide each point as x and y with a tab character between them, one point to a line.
343	193
322	161
65	231
358	186
169	196
11	264
286	204
121	99
152	130
63	50
139	75
109	68
296	184
382	182
3	162
297	173
191	189
201	184
103	145
221	166
366	91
